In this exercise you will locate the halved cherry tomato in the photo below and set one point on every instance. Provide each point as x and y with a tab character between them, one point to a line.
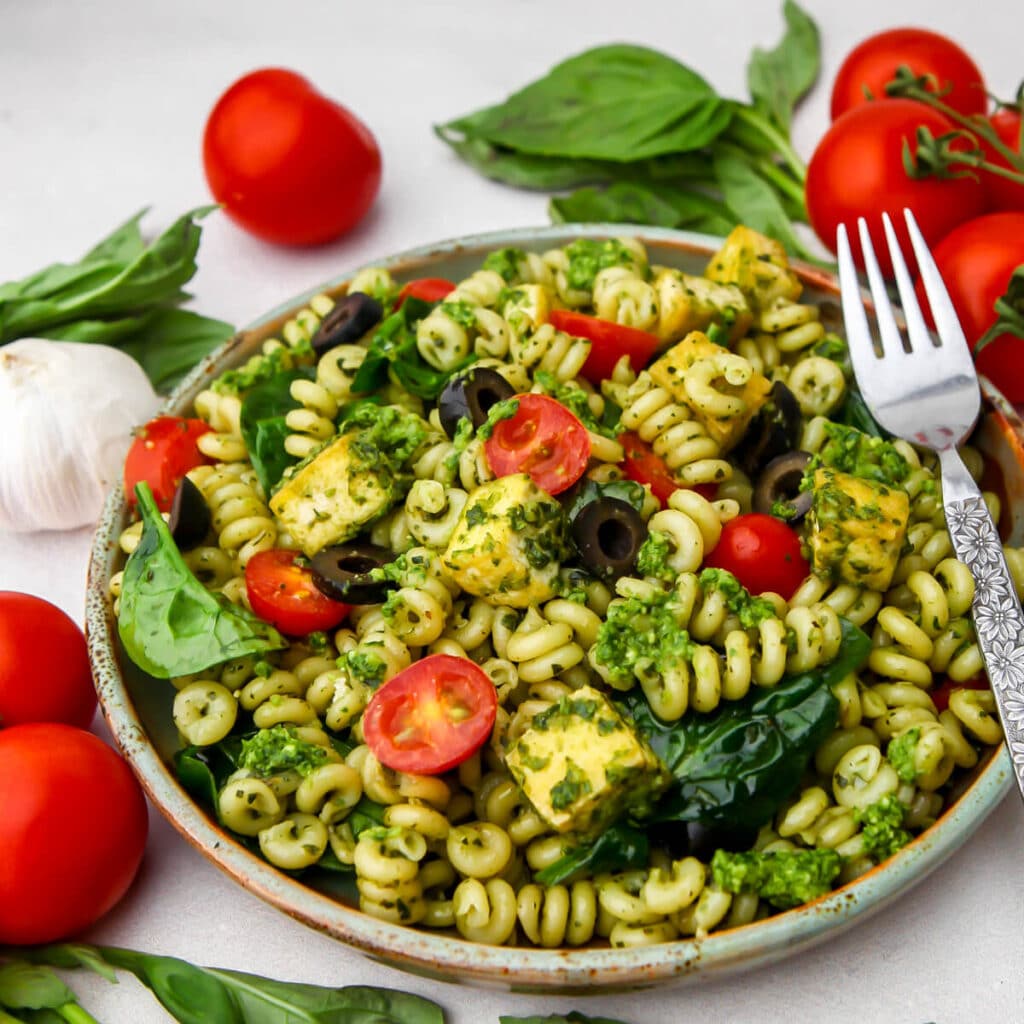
941	694
163	451
609	342
431	716
544	440
645	467
762	552
282	592
429	289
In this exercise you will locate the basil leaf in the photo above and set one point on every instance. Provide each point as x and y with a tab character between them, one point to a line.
263	426
122	245
32	987
779	78
736	766
619	102
618	847
169	623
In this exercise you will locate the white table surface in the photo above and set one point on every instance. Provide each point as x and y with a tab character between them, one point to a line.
102	106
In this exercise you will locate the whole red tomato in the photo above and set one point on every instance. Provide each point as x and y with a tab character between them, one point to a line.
857	171
44	664
74	831
873	63
289	164
1002	193
762	552
976	261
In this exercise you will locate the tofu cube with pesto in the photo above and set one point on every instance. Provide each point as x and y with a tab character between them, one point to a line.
757	265
692	303
333	496
695	372
509	542
582	765
857	528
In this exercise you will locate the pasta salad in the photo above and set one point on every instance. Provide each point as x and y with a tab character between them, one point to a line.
579	600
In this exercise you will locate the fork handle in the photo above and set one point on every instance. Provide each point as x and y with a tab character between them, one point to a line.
998	618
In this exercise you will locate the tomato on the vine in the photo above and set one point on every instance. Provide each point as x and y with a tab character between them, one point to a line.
609	342
44	664
1003	194
74	831
857	170
543	439
429	289
163	451
873	63
281	591
288	163
762	552
431	716
976	260
643	465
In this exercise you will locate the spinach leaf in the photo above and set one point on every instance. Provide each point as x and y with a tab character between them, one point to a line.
31	987
779	78
169	623
737	765
616	102
618	847
628	491
204	770
855	413
264	430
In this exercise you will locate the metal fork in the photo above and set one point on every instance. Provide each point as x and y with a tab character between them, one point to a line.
928	394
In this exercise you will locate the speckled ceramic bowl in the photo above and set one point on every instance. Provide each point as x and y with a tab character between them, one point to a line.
138	710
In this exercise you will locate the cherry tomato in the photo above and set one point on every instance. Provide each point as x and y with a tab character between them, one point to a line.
873	63
74	831
976	260
44	664
941	694
544	440
289	164
762	552
857	171
645	467
281	591
163	451
1003	194
431	716
609	342
429	289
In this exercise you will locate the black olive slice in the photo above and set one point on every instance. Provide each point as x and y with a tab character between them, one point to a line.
773	431
342	572
470	395
780	481
348	321
190	518
608	533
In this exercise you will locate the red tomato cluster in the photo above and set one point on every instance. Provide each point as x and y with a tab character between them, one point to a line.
74	816
972	217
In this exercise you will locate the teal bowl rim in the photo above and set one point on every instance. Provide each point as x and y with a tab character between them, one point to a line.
565	971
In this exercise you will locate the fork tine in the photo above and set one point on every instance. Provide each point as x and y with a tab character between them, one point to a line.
888	331
917	330
947	323
855	318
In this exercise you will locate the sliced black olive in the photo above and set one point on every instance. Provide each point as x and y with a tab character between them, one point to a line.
190	516
348	321
470	395
608	533
342	572
780	481
773	431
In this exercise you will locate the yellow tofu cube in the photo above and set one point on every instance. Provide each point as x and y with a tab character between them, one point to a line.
687	303
857	528
332	497
509	543
757	265
689	366
581	764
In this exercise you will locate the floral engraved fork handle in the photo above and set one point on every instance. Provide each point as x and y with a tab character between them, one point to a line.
998	618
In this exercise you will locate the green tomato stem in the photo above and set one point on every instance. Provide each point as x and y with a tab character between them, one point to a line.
75	1013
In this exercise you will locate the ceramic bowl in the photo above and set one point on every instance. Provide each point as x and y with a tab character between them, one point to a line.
138	711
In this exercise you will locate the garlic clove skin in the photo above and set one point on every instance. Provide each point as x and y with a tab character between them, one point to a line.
67	412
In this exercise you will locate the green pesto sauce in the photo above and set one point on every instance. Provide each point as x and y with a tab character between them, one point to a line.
901	754
588	256
260	368
574	398
385	434
783	878
750	610
364	667
652	558
278	749
503	410
505	262
574	785
880	825
461	312
850	450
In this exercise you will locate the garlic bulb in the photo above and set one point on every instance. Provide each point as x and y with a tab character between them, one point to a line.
67	412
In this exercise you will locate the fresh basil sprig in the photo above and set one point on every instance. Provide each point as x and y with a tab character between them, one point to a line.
645	139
